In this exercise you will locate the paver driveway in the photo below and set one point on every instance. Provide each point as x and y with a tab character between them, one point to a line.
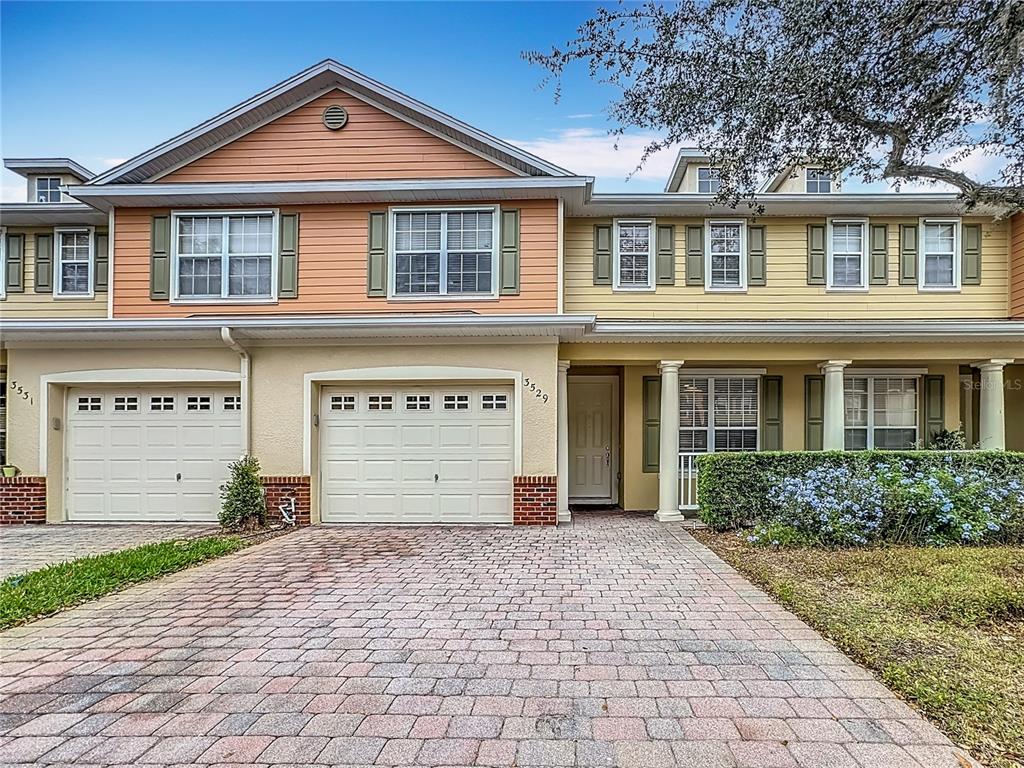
27	547
615	642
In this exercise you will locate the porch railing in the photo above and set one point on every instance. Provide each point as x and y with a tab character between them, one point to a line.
688	481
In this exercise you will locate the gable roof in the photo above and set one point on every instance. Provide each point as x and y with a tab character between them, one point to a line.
300	88
687	156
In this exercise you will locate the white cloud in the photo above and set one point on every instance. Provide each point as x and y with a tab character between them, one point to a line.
110	162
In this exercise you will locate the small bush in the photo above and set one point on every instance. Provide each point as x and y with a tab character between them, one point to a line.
243	506
949	440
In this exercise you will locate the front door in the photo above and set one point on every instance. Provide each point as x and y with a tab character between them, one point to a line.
593	435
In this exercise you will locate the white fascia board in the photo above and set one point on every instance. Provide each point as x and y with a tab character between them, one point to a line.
25	166
49	214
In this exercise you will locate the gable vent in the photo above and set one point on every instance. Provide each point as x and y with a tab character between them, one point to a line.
335	117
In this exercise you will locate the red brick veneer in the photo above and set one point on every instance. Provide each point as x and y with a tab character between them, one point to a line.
281	487
22	500
535	500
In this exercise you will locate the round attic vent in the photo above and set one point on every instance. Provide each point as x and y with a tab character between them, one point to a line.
335	117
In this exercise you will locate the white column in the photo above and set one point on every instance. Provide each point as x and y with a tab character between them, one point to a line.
834	438
992	420
562	395
668	453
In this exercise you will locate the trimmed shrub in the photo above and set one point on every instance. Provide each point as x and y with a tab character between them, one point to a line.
243	504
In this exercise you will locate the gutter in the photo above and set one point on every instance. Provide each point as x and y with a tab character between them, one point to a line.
245	386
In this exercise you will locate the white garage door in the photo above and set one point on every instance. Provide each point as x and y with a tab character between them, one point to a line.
150	455
417	454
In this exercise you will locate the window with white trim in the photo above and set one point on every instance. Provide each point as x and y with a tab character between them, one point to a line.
880	412
90	404
634	255
47	189
818	180
455	402
939	267
161	403
74	262
232	402
198	403
126	403
417	402
380	402
709	181
847	254
343	402
224	256
725	260
495	402
718	413
444	252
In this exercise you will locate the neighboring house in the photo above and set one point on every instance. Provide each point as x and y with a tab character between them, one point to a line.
409	321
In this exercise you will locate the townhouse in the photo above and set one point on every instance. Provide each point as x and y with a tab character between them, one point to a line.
407	320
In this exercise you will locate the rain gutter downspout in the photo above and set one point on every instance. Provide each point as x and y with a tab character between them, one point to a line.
245	366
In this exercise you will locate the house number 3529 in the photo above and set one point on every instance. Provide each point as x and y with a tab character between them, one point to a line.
537	391
21	392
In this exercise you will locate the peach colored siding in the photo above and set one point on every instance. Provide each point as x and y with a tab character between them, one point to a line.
1017	266
332	267
373	145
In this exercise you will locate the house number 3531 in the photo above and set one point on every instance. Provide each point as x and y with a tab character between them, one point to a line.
21	392
537	391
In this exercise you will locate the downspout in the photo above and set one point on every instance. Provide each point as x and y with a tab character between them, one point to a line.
245	365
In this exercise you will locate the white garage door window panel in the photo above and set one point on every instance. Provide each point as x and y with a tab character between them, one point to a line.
439	455
149	455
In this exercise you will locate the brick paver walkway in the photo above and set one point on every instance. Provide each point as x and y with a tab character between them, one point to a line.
615	642
28	547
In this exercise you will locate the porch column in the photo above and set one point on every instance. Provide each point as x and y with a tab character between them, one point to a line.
834	437
668	452
562	395
992	420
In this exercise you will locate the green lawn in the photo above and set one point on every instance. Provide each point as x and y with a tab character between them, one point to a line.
44	592
944	628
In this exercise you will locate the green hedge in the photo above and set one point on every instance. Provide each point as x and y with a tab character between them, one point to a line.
733	488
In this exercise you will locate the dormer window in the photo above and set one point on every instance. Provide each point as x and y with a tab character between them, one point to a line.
709	181
818	181
47	189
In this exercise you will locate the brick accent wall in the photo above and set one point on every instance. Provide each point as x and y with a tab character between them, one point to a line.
22	500
535	500
281	487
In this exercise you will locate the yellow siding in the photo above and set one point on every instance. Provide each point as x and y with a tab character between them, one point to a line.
31	304
787	295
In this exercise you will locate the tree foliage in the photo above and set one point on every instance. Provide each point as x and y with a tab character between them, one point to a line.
883	89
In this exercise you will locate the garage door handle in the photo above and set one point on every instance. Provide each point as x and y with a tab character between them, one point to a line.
178	477
435	477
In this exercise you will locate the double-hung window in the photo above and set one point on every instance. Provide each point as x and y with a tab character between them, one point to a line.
880	412
939	268
847	262
709	181
74	261
818	180
718	413
725	260
47	189
439	252
634	255
225	255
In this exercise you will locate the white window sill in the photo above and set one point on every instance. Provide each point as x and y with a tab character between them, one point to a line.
725	289
73	296
847	289
633	289
224	300
938	288
446	297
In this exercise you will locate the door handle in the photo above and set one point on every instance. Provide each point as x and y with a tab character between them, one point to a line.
435	477
607	456
178	477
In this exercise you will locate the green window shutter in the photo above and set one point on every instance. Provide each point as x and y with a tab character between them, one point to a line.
970	273
771	408
102	247
666	256
878	256
934	407
816	254
160	259
509	253
288	257
908	254
695	255
814	413
14	260
377	254
44	264
602	254
757	273
652	421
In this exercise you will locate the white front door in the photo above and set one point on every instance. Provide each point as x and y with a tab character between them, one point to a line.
593	435
418	454
150	455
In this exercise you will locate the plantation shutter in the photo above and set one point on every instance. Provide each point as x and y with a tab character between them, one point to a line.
816	254
602	254
288	257
14	260
970	272
102	261
44	264
377	254
771	409
695	255
756	256
908	254
934	407
652	421
509	253
879	254
814	413
666	255
160	259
